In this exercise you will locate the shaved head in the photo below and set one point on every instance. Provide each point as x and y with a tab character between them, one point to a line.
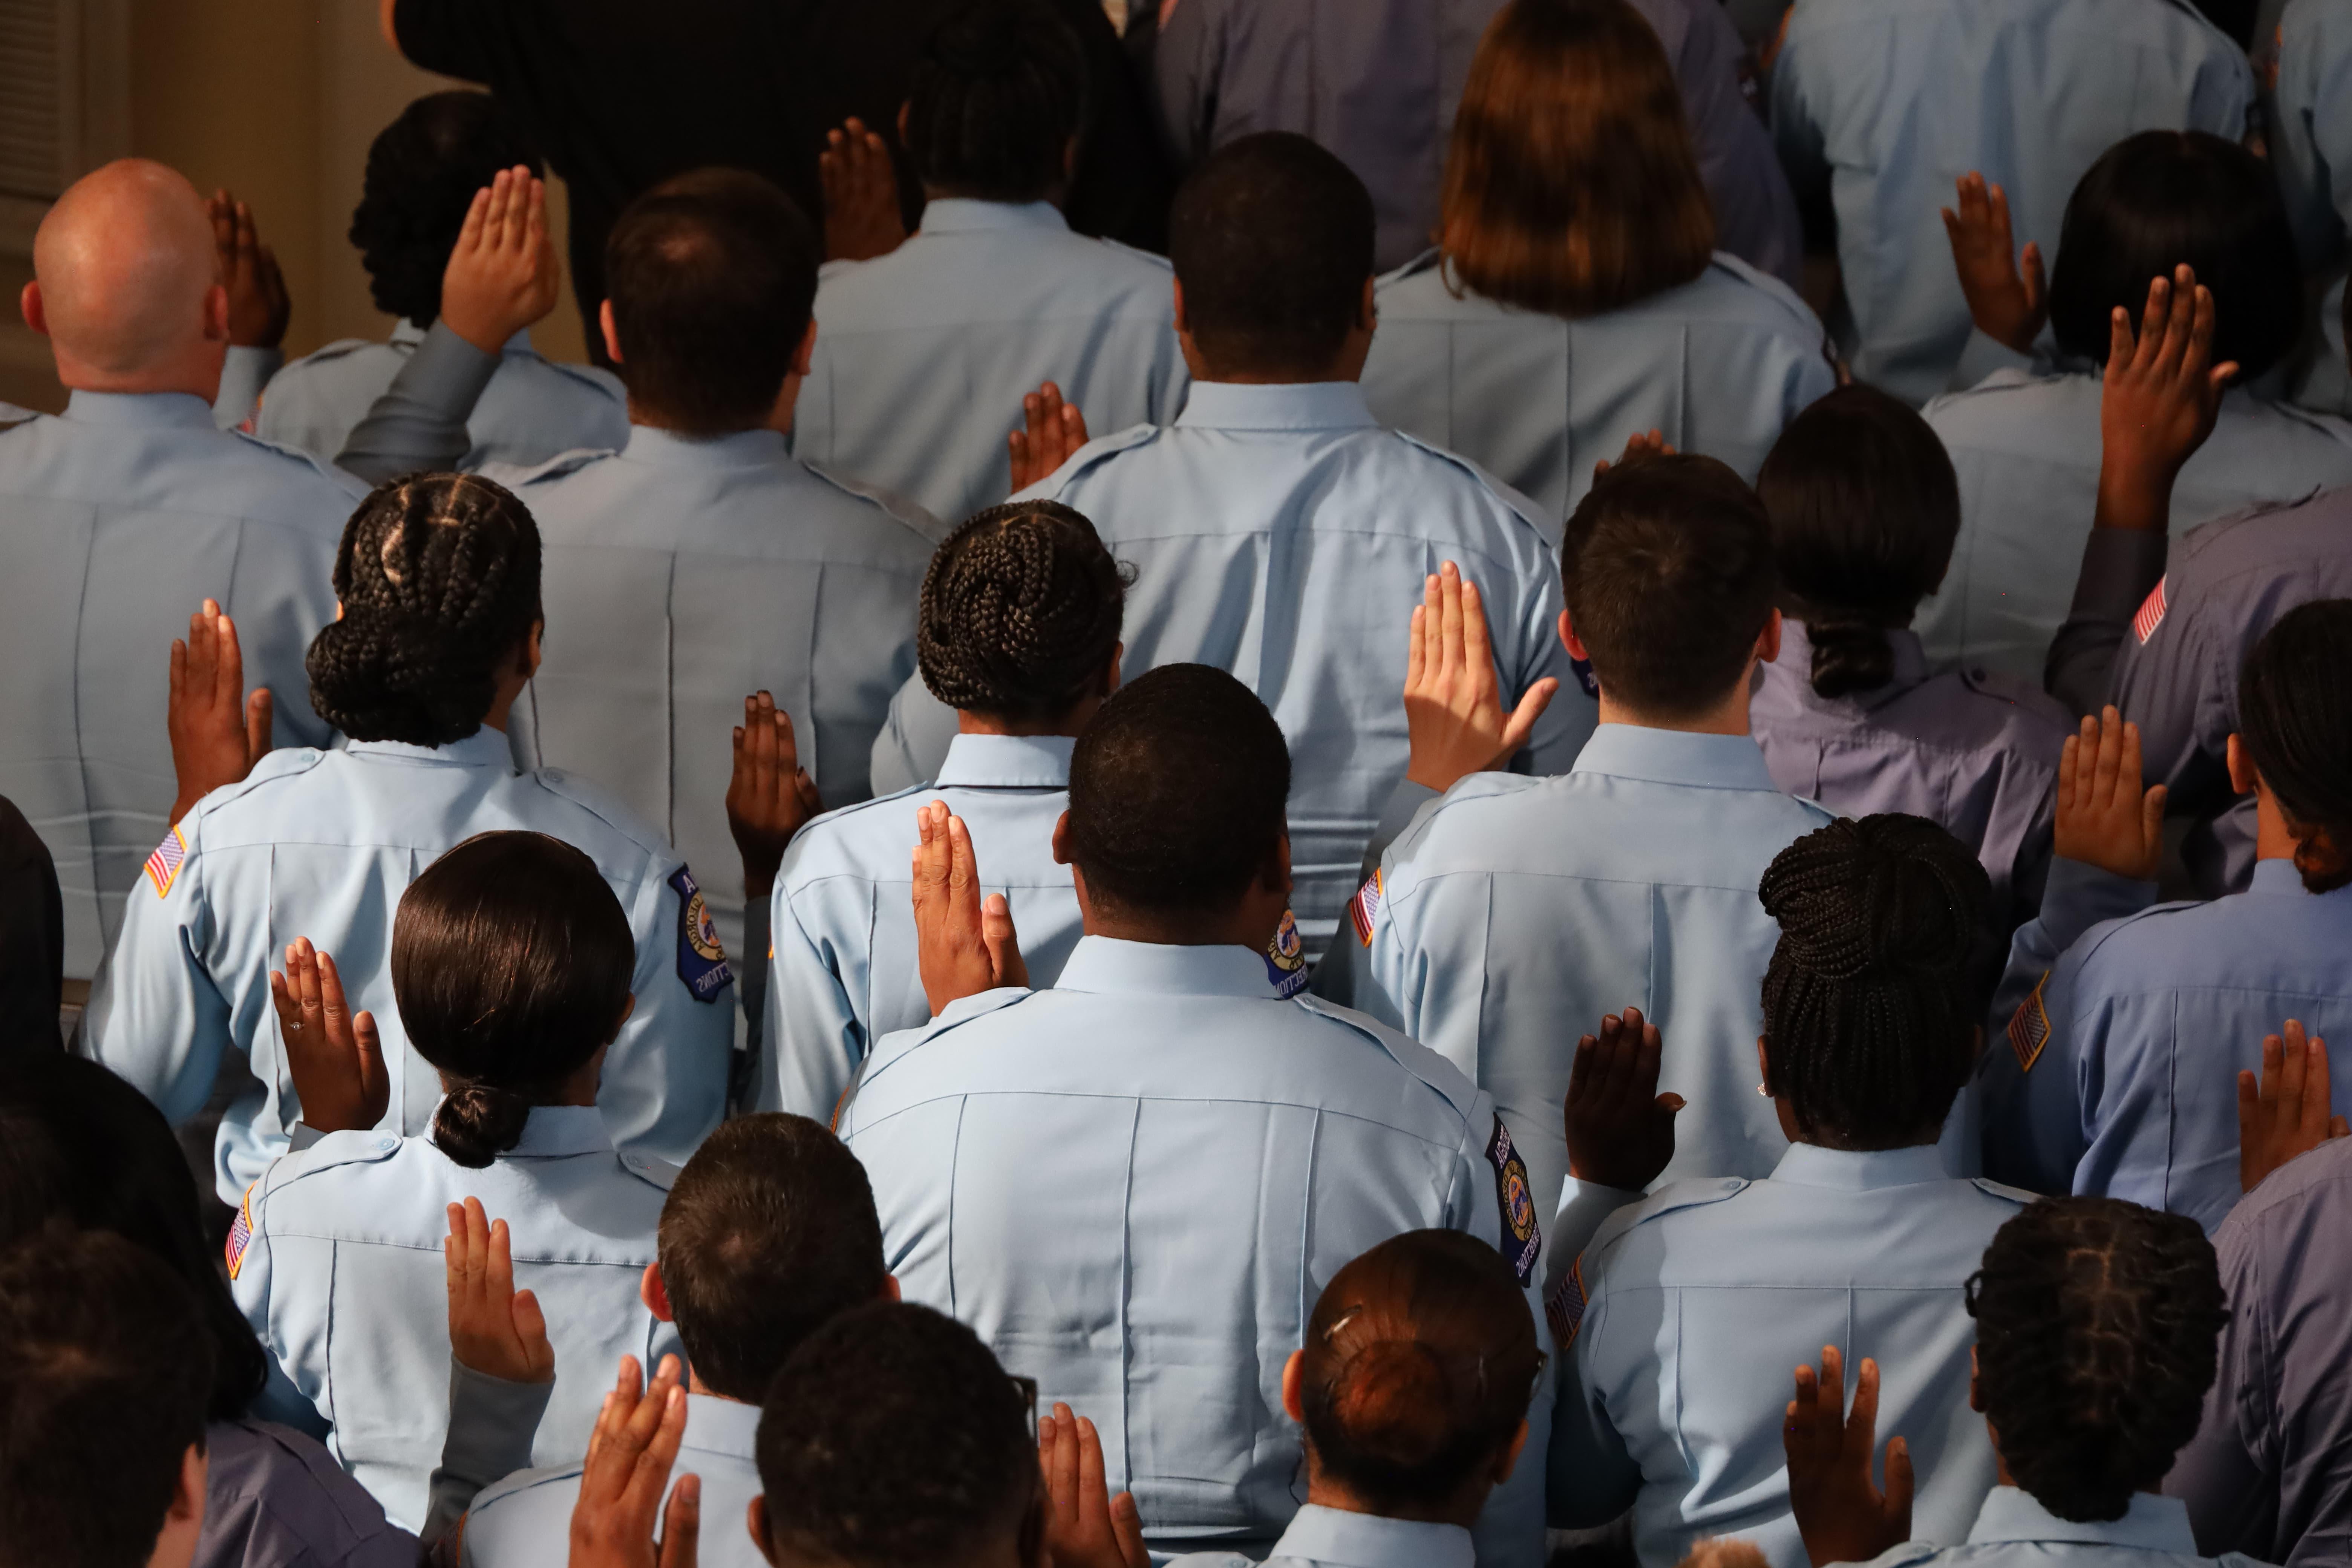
125	265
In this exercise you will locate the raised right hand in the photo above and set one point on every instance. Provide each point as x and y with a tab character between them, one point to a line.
2285	1113
1841	1516
862	219
2158	401
1085	1527
503	273
769	796
621	1484
1052	430
1621	1130
335	1057
1640	444
2102	818
259	305
964	945
217	728
2006	295
1454	718
494	1329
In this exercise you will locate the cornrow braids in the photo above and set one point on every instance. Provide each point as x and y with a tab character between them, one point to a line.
1870	998
1020	612
999	89
2295	719
439	576
2096	1322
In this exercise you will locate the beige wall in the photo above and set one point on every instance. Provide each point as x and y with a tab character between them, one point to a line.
277	100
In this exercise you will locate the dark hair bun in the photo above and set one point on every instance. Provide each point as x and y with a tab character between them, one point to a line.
1848	656
421	173
478	1122
1020	612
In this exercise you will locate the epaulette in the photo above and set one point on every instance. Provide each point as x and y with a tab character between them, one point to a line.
1153	256
655	1172
2017	1196
901	511
337	350
1548	528
607	809
11	416
311	460
596	377
516	476
1666	1200
893	1049
1413	268
1418	1059
1095	451
278	762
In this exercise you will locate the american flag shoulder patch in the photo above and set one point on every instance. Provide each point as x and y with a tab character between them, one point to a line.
1364	908
163	865
240	1233
2029	1027
2151	610
1565	1307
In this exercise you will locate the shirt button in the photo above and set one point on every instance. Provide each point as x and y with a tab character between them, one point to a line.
387	1142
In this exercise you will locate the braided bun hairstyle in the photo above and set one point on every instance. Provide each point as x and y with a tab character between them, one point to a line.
422	170
2295	719
999	89
1020	613
1864	509
2095	1327
1873	993
439	576
1420	1360
511	964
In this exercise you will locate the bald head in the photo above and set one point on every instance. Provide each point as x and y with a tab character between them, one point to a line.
124	281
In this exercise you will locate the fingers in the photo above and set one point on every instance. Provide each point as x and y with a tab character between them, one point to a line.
2154	314
1094	1490
2031	274
963	868
1127	1529
1478	653
2119	345
1062	1468
1861	1421
1003	942
1450	661
261	721
1522	722
470	234
659	1448
1996	201
682	1517
530	1327
1898	1482
2106	766
497	1276
1415	662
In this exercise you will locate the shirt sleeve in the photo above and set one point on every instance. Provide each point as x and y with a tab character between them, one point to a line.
1591	1478
420	421
2232	1493
2029	1083
155	1017
665	1077
492	1424
814	1038
244	372
1184	60
2169	679
2121	567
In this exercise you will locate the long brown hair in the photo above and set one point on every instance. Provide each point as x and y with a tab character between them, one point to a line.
1570	187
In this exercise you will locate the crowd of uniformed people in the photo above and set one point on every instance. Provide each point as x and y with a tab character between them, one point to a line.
1617	831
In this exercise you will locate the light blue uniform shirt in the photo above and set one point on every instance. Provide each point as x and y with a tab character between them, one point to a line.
1695	1303
1281	533
525	1520
2311	149
1516	912
117	521
532	409
2012	1531
1974	752
1719	364
322	845
1135	1186
682	574
1318	1536
335	1259
843	918
1880	105
2026	448
923	356
2117	1073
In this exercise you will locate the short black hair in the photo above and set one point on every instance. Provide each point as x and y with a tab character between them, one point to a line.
438	575
511	962
893	1440
1421	1357
1020	612
2096	1322
2295	719
1668	567
1272	240
422	170
1864	510
1873	992
2156	200
1178	793
108	1369
76	1143
712	277
768	1231
1000	88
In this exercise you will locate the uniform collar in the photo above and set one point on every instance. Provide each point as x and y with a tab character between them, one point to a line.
1277	405
1675	756
1910	661
140	410
406	331
2152	1523
962	214
1860	1170
2281	879
1108	966
1368	1540
483	748
674	449
721	1426
552	1132
1007	762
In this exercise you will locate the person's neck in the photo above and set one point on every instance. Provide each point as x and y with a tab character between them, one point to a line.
196	380
1250	923
1322	1491
1053	197
1726	717
1069	724
2272	839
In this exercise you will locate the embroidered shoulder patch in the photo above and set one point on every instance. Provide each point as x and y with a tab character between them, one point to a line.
1522	1236
701	962
1564	1308
1286	958
1364	908
163	866
2151	611
2029	1027
1583	668
240	1233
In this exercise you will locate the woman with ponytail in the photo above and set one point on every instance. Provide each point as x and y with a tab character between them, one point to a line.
424	668
1683	1313
1863	510
510	964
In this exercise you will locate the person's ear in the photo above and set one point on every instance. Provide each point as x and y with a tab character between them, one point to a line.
188	1492
1976	1047
1293	1386
628	1010
755	1520
1070	162
612	333
655	1294
2244	777
1062	839
1282	878
530	647
1110	676
1368	310
1976	1382
1768	641
216	314
1184	327
1511	1452
890	1288
804	359
1570	640
30	301
904	107
1763	1063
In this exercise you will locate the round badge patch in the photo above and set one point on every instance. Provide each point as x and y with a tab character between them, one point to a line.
1286	958
701	929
